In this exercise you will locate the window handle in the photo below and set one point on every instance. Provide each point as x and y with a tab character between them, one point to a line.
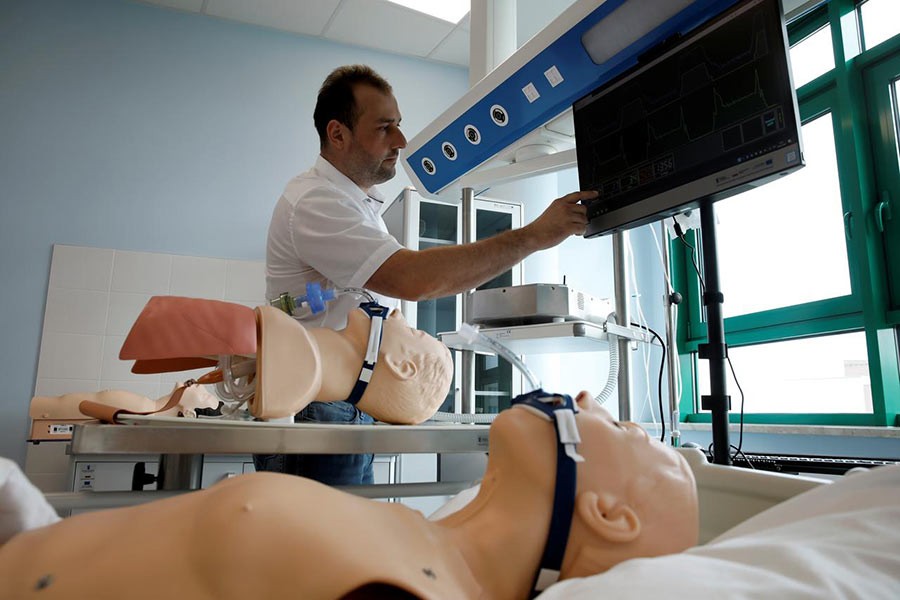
883	211
848	224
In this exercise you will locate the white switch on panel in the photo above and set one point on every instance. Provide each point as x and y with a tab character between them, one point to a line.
553	76
531	92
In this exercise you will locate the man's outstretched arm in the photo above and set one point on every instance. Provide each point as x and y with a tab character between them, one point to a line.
446	270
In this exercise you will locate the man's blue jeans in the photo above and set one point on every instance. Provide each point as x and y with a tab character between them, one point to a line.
330	469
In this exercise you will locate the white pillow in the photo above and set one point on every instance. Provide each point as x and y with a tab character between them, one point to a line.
22	506
455	503
836	541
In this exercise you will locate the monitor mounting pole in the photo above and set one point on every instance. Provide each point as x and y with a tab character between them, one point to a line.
622	283
467	358
714	350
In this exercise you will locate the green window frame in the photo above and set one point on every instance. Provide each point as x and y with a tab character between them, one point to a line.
856	94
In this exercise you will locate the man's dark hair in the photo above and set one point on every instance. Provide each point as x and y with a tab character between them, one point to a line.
335	99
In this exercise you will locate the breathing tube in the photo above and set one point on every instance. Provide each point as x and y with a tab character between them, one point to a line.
612	378
314	301
472	336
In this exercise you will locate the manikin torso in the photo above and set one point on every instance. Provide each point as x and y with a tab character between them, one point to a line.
269	535
238	540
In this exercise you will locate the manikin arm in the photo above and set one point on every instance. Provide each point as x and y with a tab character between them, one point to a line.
446	270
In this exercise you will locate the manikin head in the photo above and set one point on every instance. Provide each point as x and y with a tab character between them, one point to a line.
413	372
635	496
194	397
358	123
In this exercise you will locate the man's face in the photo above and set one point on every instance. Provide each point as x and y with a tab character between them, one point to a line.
373	145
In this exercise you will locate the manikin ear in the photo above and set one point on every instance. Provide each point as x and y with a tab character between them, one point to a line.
402	368
608	517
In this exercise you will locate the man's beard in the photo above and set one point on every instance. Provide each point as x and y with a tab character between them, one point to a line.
384	173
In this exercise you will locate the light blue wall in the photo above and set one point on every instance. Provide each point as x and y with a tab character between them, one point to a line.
127	126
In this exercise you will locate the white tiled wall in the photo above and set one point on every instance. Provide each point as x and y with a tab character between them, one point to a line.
96	294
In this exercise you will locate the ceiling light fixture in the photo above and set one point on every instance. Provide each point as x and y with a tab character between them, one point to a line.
446	10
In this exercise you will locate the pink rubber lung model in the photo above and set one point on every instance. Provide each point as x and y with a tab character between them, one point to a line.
178	334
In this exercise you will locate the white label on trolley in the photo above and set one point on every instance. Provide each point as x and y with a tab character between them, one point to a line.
61	429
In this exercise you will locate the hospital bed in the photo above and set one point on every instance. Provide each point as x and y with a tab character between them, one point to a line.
727	495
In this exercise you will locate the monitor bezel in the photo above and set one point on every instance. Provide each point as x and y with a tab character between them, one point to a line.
709	187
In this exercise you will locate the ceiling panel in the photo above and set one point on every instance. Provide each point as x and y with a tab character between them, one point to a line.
386	26
466	22
307	17
453	49
188	5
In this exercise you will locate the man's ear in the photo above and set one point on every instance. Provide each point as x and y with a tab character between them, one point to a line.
402	368
608	517
335	132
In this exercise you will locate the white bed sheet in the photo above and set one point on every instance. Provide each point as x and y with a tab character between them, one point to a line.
837	541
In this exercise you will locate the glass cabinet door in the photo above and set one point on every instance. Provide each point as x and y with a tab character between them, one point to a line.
438	226
494	382
420	223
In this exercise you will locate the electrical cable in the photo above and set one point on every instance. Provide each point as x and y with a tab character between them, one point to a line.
680	233
662	364
665	267
737	449
741	428
642	320
673	306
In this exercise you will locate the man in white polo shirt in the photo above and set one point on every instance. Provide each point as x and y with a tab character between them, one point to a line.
327	228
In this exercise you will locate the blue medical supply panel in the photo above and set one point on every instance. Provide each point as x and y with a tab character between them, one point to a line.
539	91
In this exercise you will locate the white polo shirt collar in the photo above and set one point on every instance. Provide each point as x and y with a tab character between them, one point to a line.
346	185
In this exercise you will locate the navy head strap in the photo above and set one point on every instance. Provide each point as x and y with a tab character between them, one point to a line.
560	409
377	314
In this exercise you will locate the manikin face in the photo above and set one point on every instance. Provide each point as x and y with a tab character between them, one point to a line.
372	147
397	338
614	445
635	496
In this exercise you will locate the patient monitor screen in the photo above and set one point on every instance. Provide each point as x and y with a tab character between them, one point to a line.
702	119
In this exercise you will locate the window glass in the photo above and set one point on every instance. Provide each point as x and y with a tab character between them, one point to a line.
815	375
896	99
782	243
489	223
812	56
880	20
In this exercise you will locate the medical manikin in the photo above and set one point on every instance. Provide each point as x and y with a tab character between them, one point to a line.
568	492
395	373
